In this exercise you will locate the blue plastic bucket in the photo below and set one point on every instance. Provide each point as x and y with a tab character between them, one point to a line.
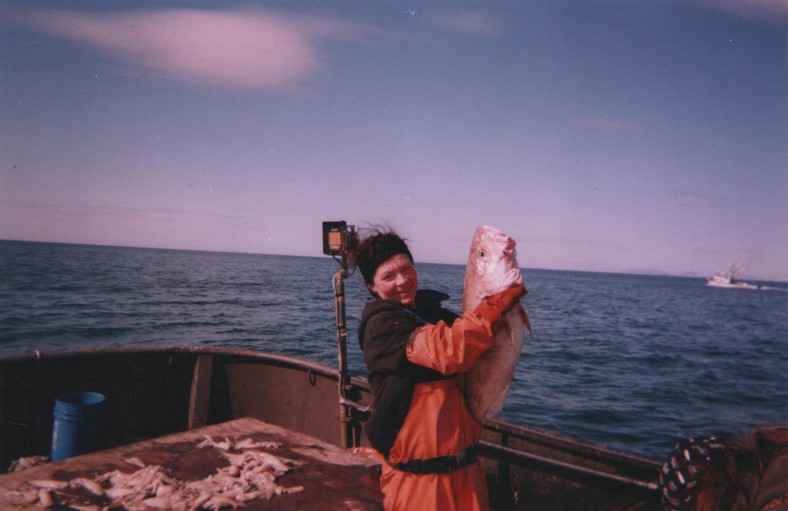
79	424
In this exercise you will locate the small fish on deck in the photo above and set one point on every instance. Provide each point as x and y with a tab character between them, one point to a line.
251	474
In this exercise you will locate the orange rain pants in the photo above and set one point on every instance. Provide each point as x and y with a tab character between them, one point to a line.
438	424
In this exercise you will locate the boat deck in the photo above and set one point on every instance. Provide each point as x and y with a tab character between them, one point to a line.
332	478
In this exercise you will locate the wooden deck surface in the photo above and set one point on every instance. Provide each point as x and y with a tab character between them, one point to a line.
332	478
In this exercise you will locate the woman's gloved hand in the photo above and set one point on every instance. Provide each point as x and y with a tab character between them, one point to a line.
494	307
454	349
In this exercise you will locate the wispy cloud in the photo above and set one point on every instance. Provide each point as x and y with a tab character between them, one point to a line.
766	10
245	50
710	199
469	22
570	242
696	195
124	213
608	124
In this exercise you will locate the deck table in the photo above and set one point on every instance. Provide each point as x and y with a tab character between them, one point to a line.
333	478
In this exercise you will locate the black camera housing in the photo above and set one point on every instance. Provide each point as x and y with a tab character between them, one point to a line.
338	238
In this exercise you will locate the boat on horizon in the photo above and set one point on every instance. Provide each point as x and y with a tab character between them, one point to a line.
727	279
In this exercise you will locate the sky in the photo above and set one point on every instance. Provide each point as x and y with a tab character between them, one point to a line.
602	135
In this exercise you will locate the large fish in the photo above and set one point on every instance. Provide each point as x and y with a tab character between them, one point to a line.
492	267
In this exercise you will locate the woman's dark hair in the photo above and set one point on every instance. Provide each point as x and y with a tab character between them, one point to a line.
378	246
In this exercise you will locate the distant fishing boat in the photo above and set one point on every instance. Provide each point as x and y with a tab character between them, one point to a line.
727	278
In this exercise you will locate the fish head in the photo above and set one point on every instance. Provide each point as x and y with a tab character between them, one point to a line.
492	265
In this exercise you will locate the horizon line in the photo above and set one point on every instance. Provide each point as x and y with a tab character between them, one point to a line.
643	272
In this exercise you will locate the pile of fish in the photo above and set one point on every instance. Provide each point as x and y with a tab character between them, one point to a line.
251	474
28	462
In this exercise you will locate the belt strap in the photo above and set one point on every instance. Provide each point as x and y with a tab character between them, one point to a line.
441	464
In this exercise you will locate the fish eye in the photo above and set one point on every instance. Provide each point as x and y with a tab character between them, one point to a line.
481	253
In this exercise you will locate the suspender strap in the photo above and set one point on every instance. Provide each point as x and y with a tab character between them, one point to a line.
441	464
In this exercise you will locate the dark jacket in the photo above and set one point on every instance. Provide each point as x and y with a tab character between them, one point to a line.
383	334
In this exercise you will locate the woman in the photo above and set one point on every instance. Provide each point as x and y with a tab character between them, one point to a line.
714	474
415	351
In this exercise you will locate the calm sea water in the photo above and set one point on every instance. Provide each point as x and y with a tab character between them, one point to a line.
631	362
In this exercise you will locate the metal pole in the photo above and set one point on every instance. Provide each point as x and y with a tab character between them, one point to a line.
345	431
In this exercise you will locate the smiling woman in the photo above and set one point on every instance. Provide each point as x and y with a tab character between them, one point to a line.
396	280
416	353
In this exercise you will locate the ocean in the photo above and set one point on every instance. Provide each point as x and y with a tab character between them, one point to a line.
631	362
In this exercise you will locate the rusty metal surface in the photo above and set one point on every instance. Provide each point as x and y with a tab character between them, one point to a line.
333	478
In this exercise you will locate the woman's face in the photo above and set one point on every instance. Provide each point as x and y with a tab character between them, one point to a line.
396	280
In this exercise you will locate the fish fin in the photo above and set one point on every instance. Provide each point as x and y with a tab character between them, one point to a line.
524	317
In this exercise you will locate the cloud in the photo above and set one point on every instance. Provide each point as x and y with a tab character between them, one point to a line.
705	201
700	196
244	50
571	242
765	10
608	124
468	22
125	213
